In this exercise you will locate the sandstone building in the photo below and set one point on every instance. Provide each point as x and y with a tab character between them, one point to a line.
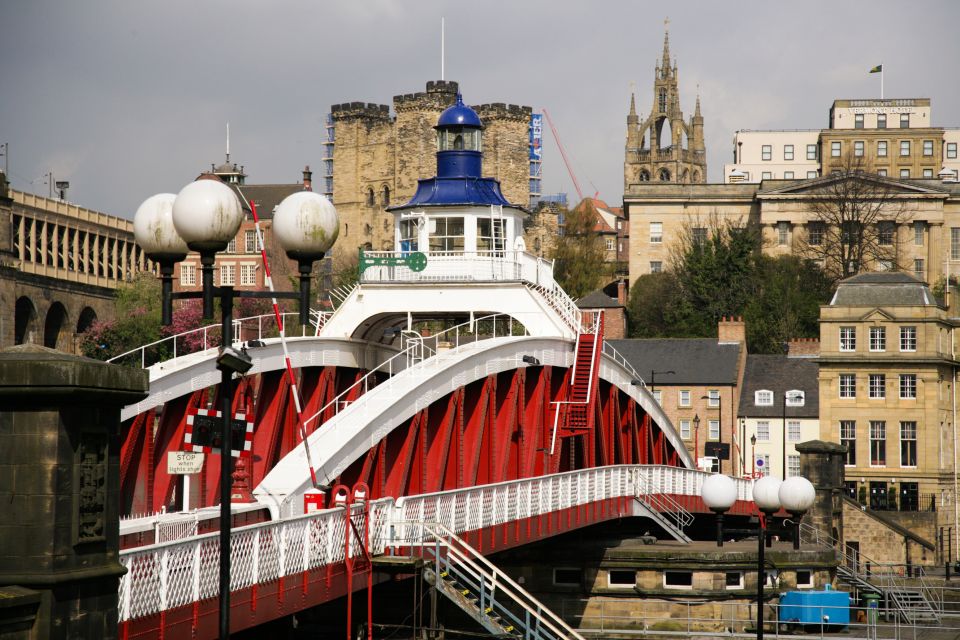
663	147
373	158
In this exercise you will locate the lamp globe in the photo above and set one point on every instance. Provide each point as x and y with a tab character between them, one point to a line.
207	215
797	494
306	225
154	231
766	494
719	492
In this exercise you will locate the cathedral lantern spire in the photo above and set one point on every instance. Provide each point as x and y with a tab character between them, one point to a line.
665	64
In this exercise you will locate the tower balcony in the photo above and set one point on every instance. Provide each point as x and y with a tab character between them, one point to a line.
457	266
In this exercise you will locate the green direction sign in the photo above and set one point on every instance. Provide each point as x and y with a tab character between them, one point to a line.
415	261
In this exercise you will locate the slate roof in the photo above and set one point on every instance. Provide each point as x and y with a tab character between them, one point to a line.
598	300
265	196
890	288
779	373
695	361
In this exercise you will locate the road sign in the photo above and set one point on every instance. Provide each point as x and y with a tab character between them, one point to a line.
202	434
760	463
184	462
719	450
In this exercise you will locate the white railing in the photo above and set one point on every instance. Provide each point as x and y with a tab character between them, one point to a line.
171	574
463	266
416	348
609	350
208	337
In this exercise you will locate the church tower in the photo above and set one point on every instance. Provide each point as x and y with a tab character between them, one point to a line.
663	147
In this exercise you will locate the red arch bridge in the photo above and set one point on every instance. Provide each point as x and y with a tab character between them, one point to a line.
474	440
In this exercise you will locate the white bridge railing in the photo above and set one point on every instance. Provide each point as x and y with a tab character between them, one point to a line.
171	574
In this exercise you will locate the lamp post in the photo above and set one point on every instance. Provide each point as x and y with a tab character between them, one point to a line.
719	492
753	455
204	217
767	498
653	377
719	423
797	495
696	439
787	395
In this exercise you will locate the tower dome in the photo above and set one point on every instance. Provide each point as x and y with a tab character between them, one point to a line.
459	142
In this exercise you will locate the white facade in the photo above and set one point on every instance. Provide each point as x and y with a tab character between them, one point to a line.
774	155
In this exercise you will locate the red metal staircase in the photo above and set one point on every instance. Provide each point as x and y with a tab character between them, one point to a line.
574	416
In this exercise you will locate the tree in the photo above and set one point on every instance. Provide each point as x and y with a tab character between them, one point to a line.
578	253
137	320
853	221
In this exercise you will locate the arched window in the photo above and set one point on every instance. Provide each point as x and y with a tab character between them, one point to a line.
370	200
696	177
662	100
458	142
664	175
644	176
686	176
385	195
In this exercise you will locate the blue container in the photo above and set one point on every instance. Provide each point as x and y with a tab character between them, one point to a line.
810	607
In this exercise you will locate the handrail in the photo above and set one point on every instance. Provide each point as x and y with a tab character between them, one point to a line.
414	351
681	517
318	319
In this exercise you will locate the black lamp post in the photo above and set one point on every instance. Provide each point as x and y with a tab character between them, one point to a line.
204	217
787	395
719	423
653	377
719	492
766	497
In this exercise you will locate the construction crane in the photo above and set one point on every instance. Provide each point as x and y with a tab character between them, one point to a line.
563	154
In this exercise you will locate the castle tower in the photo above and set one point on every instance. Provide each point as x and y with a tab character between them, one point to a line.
664	148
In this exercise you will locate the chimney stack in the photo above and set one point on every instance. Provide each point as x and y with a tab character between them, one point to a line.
731	330
307	179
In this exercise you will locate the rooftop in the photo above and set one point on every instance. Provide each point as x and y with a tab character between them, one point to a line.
779	373
888	288
694	361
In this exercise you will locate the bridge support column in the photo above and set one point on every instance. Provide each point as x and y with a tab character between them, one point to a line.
60	489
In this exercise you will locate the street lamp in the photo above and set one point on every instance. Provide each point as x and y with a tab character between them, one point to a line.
653	377
719	423
204	217
753	455
766	495
719	492
797	496
696	439
787	395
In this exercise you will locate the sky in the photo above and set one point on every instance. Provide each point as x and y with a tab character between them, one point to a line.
128	99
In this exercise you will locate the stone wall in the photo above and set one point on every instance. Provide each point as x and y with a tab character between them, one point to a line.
879	542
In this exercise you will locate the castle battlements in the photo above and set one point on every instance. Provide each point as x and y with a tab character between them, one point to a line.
501	111
360	110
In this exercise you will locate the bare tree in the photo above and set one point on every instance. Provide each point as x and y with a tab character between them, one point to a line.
853	222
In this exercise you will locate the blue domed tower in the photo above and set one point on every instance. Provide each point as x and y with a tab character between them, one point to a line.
458	210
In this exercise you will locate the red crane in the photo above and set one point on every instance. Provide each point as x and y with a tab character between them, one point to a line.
563	154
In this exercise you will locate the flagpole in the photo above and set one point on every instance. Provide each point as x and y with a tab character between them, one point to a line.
881	81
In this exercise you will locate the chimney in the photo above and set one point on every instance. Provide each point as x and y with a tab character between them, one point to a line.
803	348
307	179
731	330
622	292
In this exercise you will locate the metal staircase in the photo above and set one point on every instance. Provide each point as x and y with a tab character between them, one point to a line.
575	416
484	592
915	603
662	509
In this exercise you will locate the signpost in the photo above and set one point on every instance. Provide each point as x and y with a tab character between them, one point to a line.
184	462
415	261
202	434
718	450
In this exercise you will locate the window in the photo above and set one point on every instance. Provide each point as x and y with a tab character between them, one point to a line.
908	386
881	148
928	147
881	121
232	246
793	465
928	173
685	429
228	274
848	438
811	175
885	233
811	152
848	338
793	431
919	228
835	149
765	467
611	243
955	243
904	173
248	275
884	265
371	200
658	396
788	175
491	235
713	398
766	152
904	147
734	580
684	398
858	121
795	398
763	398
908	444
904	120
952	150
804	579
783	229
621	578
678	579
656	266
763	431
908	338
385	195
713	432
848	385
656	232
878	338
188	275
699	235
918	267
858	148
788	152
766	175
878	386
878	443
446	234
250	241
566	576
882	173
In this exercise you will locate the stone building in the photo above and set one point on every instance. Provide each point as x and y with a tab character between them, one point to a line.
663	147
887	374
375	157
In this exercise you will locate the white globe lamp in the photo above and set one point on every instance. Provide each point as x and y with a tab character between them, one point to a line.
766	494
719	492
207	215
797	495
154	231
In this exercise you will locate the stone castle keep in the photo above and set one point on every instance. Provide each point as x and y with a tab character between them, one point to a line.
378	157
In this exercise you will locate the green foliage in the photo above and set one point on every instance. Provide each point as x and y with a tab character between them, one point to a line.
578	254
137	320
658	309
